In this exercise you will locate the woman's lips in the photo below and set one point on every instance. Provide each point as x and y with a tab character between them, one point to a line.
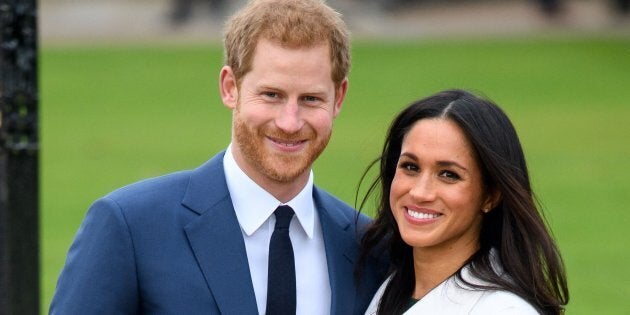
421	215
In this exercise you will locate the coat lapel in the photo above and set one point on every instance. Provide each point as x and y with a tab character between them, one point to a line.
217	241
341	252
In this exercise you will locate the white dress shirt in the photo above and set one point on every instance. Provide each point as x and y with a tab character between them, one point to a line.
254	208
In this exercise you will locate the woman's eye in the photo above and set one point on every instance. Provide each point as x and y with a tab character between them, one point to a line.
450	175
411	167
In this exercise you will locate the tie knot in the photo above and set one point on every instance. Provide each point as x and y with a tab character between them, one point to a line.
283	214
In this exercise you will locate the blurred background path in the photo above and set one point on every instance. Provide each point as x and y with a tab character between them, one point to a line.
172	21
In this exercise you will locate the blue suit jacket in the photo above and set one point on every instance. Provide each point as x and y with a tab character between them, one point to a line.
173	245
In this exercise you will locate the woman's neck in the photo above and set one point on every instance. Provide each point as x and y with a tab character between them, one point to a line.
433	266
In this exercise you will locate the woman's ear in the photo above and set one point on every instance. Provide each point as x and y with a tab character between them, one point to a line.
492	200
228	87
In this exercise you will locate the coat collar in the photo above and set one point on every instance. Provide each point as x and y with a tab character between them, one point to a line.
340	240
217	242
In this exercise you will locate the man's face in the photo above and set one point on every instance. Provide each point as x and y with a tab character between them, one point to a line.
283	111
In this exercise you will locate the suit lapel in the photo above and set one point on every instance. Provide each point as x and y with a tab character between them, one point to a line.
216	240
341	253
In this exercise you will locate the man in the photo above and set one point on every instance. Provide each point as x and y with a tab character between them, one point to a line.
204	241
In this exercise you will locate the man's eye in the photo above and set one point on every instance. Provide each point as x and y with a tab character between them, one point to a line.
310	99
271	94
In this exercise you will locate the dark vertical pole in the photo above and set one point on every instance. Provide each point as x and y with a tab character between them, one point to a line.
19	150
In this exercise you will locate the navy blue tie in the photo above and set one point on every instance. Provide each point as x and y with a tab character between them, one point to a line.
281	275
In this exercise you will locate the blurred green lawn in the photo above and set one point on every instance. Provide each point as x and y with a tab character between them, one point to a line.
112	116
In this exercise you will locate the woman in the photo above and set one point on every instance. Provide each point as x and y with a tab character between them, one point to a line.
458	217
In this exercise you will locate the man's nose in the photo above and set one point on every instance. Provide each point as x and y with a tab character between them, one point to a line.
288	119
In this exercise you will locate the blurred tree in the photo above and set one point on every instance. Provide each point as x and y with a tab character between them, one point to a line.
19	196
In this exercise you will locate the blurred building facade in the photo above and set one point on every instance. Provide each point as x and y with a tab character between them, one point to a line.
202	20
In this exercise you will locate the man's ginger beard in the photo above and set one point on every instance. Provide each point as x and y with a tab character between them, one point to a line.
277	166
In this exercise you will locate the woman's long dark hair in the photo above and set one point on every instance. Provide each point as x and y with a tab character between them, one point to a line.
514	229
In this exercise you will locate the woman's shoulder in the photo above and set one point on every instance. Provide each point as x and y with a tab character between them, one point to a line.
496	301
503	302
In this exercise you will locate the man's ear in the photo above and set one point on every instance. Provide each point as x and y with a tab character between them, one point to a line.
228	87
340	95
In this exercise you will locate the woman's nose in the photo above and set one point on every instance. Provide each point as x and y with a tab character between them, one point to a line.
423	189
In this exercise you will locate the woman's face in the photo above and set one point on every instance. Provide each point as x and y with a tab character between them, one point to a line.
437	194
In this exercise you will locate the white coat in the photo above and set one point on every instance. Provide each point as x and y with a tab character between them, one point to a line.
454	297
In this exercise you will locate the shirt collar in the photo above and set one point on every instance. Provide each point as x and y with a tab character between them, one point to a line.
254	205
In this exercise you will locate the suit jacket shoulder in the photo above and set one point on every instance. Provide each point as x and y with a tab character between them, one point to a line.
167	245
337	208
